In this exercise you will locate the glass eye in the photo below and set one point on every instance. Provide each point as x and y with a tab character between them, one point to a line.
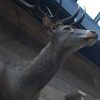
67	28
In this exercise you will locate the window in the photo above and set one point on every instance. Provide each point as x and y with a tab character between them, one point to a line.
92	7
99	23
97	19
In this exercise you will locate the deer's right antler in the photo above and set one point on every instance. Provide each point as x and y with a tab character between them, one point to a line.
30	8
52	21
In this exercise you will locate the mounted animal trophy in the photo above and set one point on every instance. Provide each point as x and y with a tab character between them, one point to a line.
26	82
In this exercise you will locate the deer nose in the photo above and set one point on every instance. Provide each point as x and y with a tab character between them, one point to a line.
93	34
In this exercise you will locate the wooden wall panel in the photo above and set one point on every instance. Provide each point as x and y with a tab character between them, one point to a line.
20	18
42	98
52	93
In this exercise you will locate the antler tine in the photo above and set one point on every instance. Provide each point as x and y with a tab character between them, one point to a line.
29	6
38	7
71	18
26	4
51	15
58	10
80	20
42	11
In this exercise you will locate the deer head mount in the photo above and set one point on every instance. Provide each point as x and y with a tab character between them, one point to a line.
65	29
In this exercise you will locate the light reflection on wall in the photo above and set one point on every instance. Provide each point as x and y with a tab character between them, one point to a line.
99	23
92	6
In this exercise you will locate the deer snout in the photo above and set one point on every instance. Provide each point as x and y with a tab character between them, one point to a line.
91	37
93	34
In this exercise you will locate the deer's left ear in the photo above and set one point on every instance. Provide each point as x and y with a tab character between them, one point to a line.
49	25
47	22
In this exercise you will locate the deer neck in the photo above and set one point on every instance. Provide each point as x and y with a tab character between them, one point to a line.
44	66
57	52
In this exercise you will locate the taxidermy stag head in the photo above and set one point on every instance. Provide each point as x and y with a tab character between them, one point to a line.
19	82
65	31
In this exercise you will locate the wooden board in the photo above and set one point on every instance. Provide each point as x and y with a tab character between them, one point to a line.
52	93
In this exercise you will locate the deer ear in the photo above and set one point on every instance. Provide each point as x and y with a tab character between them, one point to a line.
47	21
48	24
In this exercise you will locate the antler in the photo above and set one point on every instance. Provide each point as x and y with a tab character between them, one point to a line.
50	21
53	17
53	21
75	23
58	10
70	19
26	4
30	8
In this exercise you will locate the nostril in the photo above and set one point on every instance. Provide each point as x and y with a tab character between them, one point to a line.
94	34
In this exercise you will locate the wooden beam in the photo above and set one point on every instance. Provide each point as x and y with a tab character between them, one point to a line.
22	20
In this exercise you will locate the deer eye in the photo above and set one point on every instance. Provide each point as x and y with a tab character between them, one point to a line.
67	28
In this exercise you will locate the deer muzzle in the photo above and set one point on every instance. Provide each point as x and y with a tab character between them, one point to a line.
91	37
92	34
